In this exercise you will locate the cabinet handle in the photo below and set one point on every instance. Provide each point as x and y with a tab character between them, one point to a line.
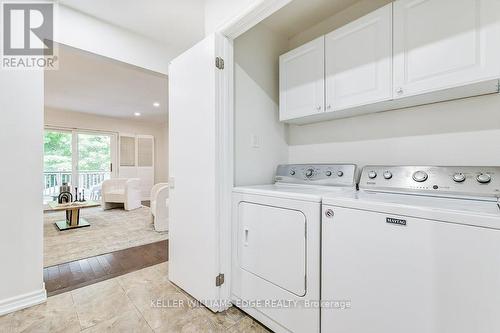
318	108
328	107
399	91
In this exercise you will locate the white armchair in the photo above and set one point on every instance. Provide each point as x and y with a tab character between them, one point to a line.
159	206
119	191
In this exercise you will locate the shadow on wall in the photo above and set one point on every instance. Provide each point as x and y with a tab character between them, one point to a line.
465	115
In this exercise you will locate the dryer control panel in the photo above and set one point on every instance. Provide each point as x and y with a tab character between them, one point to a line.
460	181
317	174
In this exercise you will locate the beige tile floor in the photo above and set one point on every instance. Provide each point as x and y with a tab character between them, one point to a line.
123	304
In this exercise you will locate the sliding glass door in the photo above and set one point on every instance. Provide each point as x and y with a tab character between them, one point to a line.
80	159
57	162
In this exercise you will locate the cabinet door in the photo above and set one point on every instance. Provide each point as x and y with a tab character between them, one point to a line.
302	80
358	60
441	44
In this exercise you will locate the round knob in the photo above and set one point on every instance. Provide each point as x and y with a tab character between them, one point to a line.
329	213
372	175
387	175
484	178
318	108
292	172
328	173
340	173
399	91
459	177
309	172
329	107
420	176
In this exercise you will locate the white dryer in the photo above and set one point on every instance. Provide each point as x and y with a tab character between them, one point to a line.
416	250
276	244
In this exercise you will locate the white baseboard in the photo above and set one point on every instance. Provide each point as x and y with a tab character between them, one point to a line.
23	301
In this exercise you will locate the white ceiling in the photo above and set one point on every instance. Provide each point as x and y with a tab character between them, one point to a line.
300	15
178	24
89	83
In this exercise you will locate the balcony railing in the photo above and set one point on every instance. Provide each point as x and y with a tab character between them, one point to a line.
88	180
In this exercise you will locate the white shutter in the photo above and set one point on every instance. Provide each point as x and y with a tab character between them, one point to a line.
145	164
127	151
137	160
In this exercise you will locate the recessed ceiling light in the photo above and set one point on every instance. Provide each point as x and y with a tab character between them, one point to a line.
156	104
137	114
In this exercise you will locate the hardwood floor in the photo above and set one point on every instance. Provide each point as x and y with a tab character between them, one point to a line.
83	272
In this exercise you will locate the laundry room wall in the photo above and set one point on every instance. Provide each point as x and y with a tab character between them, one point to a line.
260	139
461	132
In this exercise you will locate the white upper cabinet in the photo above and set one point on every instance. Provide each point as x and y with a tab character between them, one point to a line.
302	81
358	60
440	44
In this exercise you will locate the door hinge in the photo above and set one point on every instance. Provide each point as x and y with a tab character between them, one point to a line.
219	280
219	63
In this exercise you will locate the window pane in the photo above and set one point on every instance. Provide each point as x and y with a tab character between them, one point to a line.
56	162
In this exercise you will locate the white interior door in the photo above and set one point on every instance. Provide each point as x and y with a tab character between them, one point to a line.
194	162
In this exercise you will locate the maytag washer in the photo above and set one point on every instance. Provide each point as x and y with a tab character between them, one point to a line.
276	244
416	250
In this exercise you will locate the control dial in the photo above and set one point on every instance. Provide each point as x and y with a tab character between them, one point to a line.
292	172
372	175
484	178
459	177
420	176
340	173
328	173
387	175
309	172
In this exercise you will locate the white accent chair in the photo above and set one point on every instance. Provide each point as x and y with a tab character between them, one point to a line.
159	206
118	191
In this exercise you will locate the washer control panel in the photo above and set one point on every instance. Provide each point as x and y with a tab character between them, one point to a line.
466	181
317	174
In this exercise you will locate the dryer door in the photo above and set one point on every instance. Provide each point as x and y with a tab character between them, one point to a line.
272	245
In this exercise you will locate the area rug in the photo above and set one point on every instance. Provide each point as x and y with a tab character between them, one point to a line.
110	230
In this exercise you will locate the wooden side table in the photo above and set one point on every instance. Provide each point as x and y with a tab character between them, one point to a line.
73	219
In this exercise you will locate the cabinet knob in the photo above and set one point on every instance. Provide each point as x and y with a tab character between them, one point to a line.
318	108
328	107
399	91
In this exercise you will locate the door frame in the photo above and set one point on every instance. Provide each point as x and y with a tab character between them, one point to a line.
234	28
74	148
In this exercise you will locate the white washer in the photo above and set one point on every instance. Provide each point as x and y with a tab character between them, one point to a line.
276	244
416	250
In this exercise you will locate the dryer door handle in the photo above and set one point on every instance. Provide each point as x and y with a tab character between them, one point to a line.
245	241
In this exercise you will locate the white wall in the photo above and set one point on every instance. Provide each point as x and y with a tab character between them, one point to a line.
256	106
462	132
21	235
71	119
219	12
21	140
90	34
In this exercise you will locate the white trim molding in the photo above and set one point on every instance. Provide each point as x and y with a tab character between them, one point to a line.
23	301
251	17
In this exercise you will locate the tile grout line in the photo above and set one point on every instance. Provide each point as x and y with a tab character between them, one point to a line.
133	303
